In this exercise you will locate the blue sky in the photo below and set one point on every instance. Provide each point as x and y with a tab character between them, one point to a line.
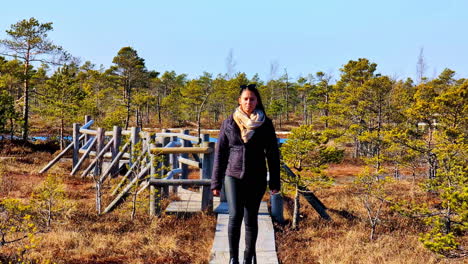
301	37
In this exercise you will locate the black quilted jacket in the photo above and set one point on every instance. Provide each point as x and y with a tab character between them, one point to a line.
242	160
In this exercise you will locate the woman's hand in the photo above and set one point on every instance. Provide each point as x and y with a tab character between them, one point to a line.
272	192
215	192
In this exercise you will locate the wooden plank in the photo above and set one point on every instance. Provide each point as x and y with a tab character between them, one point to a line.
190	162
125	191
114	162
207	168
185	143
163	182
96	159
179	135
58	157
76	143
85	155
88	131
180	150
266	248
190	202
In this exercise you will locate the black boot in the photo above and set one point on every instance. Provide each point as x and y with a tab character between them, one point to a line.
233	261
250	258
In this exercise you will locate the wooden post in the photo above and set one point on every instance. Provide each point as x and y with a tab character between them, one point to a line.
207	168
134	138
184	167
117	135
76	143
174	165
155	193
87	118
99	146
166	162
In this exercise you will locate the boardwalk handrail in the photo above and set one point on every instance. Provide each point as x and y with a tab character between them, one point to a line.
59	156
178	182
141	154
180	150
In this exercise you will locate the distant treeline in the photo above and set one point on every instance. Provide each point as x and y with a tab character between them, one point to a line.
391	125
61	90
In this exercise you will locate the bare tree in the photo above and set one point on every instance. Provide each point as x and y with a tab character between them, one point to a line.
421	65
230	64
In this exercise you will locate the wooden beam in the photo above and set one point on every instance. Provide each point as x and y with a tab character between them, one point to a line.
77	166
179	135
190	162
96	159
206	170
162	182
76	143
181	150
114	162
125	191
58	157
88	131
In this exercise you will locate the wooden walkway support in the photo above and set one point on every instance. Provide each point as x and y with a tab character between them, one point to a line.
310	197
266	249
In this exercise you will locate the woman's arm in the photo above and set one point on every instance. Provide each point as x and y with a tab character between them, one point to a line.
220	159
273	158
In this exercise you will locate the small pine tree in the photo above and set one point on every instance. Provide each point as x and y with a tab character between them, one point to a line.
372	191
17	226
308	152
49	199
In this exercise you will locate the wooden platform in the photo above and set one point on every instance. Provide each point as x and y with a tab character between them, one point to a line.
190	202
266	249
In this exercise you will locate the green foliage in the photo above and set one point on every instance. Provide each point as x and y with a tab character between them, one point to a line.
17	226
28	42
133	76
372	190
49	199
306	151
436	240
7	110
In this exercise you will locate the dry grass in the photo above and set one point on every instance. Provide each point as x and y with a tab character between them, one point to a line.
84	237
346	238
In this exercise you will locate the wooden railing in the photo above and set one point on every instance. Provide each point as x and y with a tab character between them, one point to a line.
140	152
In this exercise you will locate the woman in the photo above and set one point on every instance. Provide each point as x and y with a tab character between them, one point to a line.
246	139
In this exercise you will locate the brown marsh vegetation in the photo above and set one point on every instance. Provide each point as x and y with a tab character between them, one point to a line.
81	236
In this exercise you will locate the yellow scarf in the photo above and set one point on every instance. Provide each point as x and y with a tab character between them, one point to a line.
248	124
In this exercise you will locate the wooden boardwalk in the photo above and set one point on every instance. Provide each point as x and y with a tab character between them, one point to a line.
190	202
266	249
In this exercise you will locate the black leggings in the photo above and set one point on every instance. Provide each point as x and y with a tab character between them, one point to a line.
244	199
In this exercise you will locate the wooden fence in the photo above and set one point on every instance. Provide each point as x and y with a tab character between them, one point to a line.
153	161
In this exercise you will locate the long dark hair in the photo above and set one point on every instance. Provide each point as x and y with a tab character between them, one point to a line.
253	88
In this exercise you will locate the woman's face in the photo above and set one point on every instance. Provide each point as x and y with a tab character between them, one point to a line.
248	101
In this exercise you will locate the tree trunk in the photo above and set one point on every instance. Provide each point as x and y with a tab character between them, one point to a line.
372	234
61	133
297	205
327	112
49	213
98	195
134	199
12	128
432	160
25	130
